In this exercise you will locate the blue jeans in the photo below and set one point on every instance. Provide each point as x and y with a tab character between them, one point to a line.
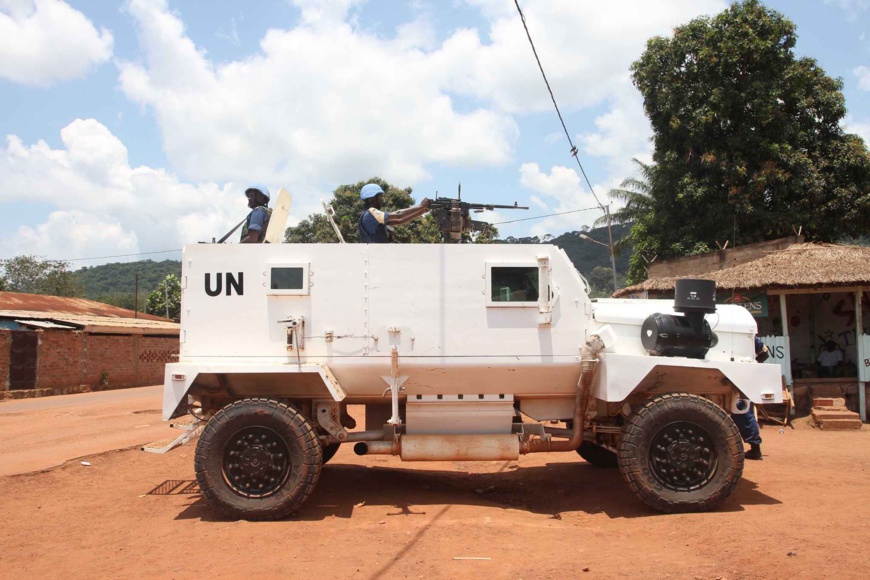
748	426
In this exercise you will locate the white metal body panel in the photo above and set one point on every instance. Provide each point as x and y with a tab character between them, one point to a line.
430	303
621	374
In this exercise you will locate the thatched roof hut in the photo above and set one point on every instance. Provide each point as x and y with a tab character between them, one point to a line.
798	266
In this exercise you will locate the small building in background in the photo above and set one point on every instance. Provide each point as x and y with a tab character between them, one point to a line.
55	345
806	299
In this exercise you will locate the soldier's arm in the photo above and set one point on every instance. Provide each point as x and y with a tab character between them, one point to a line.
403	216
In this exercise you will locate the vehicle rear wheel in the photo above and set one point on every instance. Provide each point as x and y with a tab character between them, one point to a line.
329	452
258	459
597	455
681	453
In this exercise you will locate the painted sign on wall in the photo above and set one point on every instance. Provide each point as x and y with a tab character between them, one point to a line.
755	303
779	354
864	362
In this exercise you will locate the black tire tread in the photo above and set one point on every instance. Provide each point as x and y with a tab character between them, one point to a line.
214	489
632	459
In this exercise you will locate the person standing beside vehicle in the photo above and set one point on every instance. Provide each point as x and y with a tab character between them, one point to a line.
746	422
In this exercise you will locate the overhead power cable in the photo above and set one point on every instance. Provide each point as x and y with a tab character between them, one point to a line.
537	217
120	256
574	152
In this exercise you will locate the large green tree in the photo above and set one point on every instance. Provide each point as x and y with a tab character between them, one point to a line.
165	300
747	138
348	209
36	275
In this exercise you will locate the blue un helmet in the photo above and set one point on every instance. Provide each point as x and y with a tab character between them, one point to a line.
261	188
369	191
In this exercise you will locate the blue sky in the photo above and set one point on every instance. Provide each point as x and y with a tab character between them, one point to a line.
134	127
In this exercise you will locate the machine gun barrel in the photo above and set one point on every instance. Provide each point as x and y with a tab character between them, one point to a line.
452	216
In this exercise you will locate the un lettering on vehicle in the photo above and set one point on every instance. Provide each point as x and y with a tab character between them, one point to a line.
216	283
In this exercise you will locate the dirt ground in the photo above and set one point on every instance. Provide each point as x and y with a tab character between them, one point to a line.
800	513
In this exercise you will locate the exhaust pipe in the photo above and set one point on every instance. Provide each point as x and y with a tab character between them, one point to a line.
588	362
376	448
445	447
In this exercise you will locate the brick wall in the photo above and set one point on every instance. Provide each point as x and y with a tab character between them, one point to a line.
112	354
72	358
5	346
719	260
59	360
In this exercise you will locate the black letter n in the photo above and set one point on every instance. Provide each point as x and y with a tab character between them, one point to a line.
239	286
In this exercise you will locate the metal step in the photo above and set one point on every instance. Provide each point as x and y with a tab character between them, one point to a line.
187	423
170	444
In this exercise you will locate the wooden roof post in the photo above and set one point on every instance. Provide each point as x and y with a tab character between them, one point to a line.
783	313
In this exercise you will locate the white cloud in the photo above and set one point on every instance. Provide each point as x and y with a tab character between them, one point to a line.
853	8
103	206
860	128
43	42
586	48
621	134
863	74
318	106
563	190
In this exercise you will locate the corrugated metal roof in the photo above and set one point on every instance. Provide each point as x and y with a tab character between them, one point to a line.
99	324
45	324
78	306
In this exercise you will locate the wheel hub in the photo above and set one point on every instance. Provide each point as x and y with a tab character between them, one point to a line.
256	462
682	456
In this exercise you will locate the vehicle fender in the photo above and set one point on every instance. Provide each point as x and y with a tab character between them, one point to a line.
180	377
620	375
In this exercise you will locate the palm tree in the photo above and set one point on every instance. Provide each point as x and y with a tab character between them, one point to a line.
635	193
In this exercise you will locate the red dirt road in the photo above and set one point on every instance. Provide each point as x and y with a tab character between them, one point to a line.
545	516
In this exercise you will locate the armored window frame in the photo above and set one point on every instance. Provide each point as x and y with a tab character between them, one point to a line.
490	278
305	282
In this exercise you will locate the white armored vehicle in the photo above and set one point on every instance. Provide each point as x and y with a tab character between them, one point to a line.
456	352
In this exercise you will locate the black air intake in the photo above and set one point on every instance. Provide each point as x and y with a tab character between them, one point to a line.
688	335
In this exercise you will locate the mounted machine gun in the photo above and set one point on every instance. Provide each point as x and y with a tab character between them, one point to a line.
453	218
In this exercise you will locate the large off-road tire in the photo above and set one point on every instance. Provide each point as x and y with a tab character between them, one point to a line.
597	455
681	453
329	452
258	459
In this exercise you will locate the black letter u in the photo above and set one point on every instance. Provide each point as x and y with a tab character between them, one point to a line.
217	290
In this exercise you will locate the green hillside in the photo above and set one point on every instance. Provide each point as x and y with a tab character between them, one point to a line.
590	259
116	283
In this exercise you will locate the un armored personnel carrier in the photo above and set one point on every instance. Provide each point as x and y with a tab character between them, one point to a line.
456	352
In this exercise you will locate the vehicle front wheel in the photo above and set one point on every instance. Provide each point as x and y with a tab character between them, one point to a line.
681	453
258	459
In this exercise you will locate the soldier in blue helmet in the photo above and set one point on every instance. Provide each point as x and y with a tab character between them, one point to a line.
257	221
373	222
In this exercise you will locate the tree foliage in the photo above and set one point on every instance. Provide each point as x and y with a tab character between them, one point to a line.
36	275
348	209
747	139
165	300
116	283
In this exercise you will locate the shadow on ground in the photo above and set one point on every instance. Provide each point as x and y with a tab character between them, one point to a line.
553	490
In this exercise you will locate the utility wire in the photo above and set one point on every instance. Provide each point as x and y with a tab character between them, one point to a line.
120	256
537	217
574	152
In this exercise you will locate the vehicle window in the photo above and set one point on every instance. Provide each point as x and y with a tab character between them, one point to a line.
287	279
514	284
